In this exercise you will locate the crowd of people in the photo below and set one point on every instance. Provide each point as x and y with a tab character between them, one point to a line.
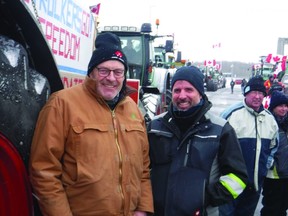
93	154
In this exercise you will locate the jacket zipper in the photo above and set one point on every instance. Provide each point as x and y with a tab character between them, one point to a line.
187	153
120	158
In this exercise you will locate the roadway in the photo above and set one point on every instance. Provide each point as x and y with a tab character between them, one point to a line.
223	98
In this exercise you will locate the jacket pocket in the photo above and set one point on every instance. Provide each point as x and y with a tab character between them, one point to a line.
134	128
189	191
90	150
78	129
160	147
91	140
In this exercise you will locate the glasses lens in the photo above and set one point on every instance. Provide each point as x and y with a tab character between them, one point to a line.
118	73
104	72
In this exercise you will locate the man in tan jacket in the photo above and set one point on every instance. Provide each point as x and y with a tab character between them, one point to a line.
90	153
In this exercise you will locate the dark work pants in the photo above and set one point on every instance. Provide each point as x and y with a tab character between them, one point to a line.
275	197
244	205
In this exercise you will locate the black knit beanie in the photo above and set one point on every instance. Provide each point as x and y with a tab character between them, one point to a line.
255	84
108	47
191	74
277	98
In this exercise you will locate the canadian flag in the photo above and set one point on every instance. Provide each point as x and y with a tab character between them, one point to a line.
216	45
218	66
256	66
95	9
279	61
283	63
273	59
210	63
278	69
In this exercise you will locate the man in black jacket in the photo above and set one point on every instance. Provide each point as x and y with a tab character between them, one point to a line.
196	160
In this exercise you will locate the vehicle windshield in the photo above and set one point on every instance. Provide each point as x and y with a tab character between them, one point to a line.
132	47
159	56
267	70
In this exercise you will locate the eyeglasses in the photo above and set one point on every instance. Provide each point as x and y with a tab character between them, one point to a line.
104	72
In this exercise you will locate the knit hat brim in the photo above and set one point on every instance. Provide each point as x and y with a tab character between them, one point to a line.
255	84
192	75
108	47
277	98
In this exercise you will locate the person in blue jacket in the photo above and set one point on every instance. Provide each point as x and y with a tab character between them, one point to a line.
257	132
196	160
275	187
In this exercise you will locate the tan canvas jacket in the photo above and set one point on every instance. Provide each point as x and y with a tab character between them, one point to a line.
89	160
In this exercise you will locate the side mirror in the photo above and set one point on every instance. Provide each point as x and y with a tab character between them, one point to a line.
179	56
169	46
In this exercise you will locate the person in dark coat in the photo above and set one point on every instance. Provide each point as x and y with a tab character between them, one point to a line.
275	187
243	84
232	83
196	160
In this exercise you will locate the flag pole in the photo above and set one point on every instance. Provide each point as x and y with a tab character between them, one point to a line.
95	10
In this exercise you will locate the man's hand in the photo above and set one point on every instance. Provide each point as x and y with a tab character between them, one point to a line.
140	213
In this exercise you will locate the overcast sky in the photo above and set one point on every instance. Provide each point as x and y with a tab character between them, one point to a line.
246	29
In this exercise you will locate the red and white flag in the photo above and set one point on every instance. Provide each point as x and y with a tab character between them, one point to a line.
218	66
256	66
210	63
95	9
278	69
283	63
273	59
216	45
279	60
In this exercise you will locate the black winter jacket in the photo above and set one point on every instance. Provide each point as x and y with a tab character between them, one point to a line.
280	170
186	167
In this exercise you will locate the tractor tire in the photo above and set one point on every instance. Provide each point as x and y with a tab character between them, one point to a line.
211	86
23	91
151	105
168	97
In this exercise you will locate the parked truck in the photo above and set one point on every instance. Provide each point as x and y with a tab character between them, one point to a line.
45	47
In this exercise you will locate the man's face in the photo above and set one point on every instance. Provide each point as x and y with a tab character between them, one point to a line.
185	95
108	86
254	99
